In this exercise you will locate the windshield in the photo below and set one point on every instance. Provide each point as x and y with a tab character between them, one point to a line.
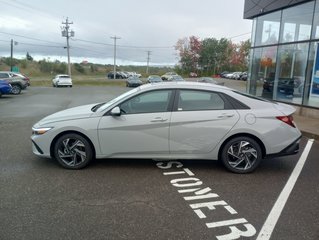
107	104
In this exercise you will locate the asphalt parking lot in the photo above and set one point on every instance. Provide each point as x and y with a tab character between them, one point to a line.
140	199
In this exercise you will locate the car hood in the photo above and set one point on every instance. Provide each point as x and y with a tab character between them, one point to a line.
68	114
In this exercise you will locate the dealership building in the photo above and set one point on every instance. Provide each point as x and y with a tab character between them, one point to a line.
284	57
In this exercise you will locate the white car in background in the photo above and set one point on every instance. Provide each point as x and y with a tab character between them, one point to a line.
171	120
62	80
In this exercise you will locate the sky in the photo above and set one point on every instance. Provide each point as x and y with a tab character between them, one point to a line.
140	25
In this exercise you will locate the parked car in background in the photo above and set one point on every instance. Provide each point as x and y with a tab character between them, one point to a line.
167	75
222	74
18	83
180	120
229	75
210	80
236	75
175	78
244	76
62	80
193	75
133	81
24	77
110	75
154	79
5	87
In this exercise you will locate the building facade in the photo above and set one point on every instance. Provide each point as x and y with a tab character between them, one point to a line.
284	57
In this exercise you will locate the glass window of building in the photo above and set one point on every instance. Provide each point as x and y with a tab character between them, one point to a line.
263	68
315	28
291	73
312	85
296	23
267	29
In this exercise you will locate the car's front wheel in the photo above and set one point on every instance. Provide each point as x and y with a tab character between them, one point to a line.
16	89
73	151
241	155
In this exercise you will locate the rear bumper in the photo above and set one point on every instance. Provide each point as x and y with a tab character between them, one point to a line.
292	149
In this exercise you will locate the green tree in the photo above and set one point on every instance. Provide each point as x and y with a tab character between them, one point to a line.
214	55
45	66
78	67
189	52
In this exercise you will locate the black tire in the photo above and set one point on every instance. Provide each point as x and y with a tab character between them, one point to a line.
16	89
241	155
0	94
73	151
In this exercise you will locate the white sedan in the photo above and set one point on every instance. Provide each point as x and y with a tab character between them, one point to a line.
62	80
175	120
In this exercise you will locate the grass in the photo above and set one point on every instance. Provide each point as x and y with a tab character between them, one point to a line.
79	80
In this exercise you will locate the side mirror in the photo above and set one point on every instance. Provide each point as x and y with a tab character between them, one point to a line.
116	111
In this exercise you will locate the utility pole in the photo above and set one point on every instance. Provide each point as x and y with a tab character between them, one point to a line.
11	57
114	67
66	32
148	60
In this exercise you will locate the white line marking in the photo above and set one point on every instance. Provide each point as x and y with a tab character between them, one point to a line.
271	221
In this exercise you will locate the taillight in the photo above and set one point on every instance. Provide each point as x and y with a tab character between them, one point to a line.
287	119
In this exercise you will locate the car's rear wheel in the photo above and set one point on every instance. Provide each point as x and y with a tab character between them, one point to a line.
73	151
16	89
241	155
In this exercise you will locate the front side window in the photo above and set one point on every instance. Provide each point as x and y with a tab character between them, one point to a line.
150	102
199	100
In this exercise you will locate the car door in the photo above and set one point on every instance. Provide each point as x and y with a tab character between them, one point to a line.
142	128
202	119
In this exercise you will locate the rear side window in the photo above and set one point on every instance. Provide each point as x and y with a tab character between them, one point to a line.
190	100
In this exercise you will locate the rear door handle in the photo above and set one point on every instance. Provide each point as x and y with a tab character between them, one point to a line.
159	119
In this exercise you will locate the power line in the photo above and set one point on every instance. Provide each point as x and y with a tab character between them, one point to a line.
31	38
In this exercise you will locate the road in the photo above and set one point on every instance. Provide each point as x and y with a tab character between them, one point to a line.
139	199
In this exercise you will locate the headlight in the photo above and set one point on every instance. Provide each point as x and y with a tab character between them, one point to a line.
40	131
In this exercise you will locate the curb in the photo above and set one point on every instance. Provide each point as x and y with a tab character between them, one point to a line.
309	135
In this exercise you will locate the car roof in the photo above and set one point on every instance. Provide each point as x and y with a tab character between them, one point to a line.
185	85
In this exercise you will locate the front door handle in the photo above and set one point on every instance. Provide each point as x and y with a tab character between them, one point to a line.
226	115
159	119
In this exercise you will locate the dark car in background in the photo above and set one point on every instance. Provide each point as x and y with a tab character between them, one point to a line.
154	79
118	75
133	81
5	87
17	82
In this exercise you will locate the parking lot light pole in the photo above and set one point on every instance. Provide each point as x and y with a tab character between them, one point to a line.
114	67
11	55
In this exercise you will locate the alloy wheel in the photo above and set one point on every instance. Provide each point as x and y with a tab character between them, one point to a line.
73	151
242	155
